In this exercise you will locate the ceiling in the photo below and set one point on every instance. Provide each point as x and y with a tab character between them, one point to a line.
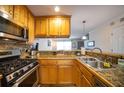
94	15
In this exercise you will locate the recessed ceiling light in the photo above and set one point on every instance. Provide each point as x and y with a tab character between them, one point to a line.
57	9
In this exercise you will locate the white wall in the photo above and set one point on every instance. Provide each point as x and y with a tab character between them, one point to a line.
102	38
102	35
43	44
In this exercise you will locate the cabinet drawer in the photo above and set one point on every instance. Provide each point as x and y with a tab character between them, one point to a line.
51	62
43	62
47	62
65	62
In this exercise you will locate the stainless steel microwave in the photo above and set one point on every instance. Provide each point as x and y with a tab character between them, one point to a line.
11	30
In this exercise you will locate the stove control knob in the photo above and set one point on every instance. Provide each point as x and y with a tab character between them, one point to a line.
21	71
10	77
29	67
15	75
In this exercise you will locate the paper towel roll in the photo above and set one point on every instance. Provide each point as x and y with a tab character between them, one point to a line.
82	50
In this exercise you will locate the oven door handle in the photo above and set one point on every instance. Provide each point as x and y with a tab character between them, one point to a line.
16	84
18	81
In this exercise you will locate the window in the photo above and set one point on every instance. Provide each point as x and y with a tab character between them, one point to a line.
64	45
91	43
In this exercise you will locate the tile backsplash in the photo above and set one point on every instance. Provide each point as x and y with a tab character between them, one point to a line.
7	46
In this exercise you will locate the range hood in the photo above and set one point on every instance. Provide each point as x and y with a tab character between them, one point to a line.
9	29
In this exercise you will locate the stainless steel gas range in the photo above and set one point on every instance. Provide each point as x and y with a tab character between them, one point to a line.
17	72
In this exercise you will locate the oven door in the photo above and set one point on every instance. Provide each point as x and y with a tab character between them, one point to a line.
30	79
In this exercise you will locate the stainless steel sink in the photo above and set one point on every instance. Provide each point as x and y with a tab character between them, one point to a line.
93	62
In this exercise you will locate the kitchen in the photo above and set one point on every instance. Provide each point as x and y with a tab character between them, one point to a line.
61	46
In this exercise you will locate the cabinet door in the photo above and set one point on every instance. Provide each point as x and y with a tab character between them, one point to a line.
85	82
37	27
65	27
17	13
21	15
43	75
44	27
54	27
48	74
11	10
87	74
30	28
65	75
76	76
52	74
25	16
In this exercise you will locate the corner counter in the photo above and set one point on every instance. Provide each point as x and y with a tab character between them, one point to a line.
105	76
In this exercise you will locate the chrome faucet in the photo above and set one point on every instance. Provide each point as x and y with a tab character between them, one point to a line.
97	49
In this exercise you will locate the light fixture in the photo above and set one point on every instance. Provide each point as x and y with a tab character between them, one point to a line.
57	9
84	37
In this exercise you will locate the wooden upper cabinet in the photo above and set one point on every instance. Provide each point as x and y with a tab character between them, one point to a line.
11	10
25	16
30	28
8	9
52	26
21	14
64	26
41	27
44	26
17	13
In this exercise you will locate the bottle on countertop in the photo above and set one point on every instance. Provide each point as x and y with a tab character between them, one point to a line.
37	46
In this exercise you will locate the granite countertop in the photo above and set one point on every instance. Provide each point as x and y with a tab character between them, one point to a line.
114	76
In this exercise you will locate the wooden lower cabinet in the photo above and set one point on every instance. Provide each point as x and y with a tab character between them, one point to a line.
52	74
84	82
81	76
76	76
64	72
48	74
65	75
55	72
43	75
